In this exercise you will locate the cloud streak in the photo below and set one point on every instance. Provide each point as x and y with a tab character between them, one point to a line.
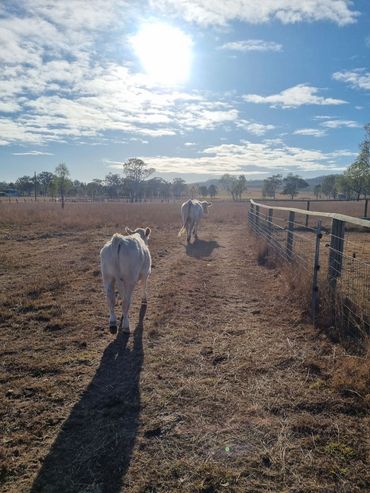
252	45
293	97
358	78
219	12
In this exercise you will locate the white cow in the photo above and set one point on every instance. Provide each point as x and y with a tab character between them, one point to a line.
191	212
124	261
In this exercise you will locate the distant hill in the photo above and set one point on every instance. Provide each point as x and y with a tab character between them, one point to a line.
312	182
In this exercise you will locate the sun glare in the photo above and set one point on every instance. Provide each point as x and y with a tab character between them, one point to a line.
164	52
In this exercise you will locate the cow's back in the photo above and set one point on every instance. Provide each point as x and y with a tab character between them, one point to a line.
126	257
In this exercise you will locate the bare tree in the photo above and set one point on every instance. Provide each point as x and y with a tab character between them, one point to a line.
136	171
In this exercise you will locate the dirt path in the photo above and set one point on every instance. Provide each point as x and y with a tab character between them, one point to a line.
226	389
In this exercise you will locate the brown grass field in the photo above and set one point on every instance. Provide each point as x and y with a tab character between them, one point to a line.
227	388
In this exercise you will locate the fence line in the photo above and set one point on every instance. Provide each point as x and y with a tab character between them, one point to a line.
336	258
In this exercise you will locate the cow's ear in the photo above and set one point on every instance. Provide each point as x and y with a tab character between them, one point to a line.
147	232
129	231
209	204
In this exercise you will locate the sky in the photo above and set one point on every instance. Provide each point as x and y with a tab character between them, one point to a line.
194	88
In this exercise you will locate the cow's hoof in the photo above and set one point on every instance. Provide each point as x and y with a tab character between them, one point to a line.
113	329
126	330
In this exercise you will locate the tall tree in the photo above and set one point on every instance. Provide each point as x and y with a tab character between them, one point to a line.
329	186
62	181
228	183
179	187
359	172
136	171
317	191
25	185
271	185
212	190
114	185
45	179
292	184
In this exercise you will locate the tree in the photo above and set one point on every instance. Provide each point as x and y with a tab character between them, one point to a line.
25	185
45	179
156	188
178	187
136	171
114	184
212	190
94	187
62	182
344	185
203	190
240	186
359	172
329	186
317	191
271	186
292	184
228	183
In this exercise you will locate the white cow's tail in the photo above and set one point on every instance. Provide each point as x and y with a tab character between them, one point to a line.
116	245
187	219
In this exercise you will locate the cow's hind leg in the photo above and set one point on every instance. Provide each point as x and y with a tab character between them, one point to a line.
195	231
144	298
125	308
111	298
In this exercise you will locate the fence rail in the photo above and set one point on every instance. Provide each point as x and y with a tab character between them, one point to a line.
335	255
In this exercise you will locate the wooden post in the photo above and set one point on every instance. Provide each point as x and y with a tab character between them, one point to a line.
269	224
365	209
336	251
289	243
257	216
307	209
251	214
316	268
35	184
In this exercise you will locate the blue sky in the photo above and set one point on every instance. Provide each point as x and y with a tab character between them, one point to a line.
240	87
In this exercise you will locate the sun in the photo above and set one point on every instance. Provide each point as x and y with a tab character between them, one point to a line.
164	52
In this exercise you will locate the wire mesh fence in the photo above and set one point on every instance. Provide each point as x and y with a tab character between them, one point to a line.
332	249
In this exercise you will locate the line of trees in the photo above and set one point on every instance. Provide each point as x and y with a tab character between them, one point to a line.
133	184
354	183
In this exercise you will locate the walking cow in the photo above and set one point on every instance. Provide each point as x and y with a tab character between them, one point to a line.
191	212
124	261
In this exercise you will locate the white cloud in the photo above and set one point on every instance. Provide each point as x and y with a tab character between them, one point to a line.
251	158
293	97
219	12
340	123
254	128
358	78
33	153
252	45
312	132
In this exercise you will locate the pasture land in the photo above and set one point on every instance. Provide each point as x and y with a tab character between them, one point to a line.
226	389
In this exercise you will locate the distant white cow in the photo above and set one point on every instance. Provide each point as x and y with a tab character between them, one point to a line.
191	212
124	261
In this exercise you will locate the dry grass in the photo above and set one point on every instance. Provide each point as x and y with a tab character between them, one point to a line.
227	389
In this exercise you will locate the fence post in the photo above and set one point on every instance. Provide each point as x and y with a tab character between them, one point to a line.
336	251
257	216
365	209
269	224
307	216
289	243
251	214
316	268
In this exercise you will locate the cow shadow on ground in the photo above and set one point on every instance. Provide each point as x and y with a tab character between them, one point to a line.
94	447
201	248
